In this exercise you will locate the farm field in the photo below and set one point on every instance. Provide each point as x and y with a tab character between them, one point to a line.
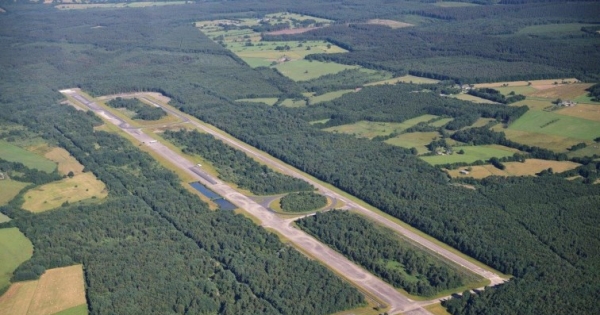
304	70
58	291
4	218
288	102
590	150
15	248
472	154
370	129
584	111
553	29
551	123
265	100
405	79
50	196
416	140
528	168
546	141
441	122
9	189
536	84
82	6
14	153
563	91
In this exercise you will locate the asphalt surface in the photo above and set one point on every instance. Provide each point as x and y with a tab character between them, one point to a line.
369	284
494	278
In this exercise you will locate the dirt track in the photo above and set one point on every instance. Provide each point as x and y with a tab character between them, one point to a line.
365	281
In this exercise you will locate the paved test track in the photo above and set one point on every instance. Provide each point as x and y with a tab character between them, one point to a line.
374	286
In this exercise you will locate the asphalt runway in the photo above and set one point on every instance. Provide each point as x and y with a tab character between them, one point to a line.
366	282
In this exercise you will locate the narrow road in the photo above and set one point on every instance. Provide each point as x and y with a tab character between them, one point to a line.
494	278
396	302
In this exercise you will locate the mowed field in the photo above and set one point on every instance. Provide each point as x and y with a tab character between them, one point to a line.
66	162
370	129
551	123
389	23
472	154
304	70
14	153
9	189
265	100
474	99
15	249
58	291
528	168
416	140
53	195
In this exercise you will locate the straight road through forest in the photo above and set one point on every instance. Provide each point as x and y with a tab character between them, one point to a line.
368	283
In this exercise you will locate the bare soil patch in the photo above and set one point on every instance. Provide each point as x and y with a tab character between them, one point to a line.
563	91
291	31
389	23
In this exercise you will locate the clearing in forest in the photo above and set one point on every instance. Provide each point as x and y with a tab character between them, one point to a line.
471	154
528	168
405	79
536	84
58	291
9	189
53	195
371	129
472	98
66	162
265	100
13	153
304	70
15	249
417	140
142	4
389	23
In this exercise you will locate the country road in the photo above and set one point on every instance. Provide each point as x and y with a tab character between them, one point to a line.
365	281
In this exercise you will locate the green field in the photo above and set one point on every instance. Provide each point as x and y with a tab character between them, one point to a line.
472	154
553	29
265	100
441	122
474	99
80	6
288	102
451	4
405	79
523	90
4	218
371	129
9	189
328	96
416	140
15	248
304	70
550	123
77	310
13	153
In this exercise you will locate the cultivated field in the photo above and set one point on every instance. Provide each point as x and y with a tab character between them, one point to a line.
546	141
389	23
536	84
66	162
9	189
15	248
288	102
553	29
563	91
405	79
584	111
50	196
58	291
472	154
328	96
416	140
528	168
14	153
4	218
370	129
551	123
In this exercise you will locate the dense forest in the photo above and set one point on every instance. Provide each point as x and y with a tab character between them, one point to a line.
235	166
542	230
380	251
302	201
142	111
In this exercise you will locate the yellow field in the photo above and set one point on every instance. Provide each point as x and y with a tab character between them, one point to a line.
53	195
66	163
529	168
57	290
563	91
389	23
585	111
